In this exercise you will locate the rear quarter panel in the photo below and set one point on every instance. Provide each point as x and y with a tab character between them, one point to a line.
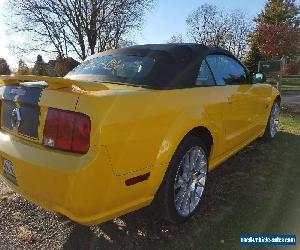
141	129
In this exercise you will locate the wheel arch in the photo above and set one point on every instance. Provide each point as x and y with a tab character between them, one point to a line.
160	173
205	135
160	168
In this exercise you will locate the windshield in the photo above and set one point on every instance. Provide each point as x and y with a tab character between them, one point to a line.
115	68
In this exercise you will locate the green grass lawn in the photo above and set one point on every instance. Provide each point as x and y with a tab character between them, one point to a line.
290	84
290	124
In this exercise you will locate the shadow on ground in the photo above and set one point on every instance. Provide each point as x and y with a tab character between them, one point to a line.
256	191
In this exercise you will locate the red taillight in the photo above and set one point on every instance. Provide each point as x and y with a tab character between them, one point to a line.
67	130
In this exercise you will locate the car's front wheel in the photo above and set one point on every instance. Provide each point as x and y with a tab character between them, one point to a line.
182	189
273	122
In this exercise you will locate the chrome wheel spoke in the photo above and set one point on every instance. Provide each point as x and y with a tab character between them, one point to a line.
194	200
183	201
180	196
201	180
186	168
203	166
193	159
199	191
193	197
187	161
186	207
180	182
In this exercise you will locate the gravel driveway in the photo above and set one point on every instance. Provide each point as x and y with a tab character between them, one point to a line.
291	99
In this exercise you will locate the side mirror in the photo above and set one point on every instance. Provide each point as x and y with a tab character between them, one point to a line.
259	77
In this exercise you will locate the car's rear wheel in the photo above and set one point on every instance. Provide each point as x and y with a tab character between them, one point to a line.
273	122
183	186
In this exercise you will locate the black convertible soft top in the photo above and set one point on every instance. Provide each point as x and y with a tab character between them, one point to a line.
177	65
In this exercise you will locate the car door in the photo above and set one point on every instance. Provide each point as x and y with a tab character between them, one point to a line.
238	113
261	94
212	99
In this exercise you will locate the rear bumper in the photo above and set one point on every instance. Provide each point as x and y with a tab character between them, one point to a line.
88	220
81	187
48	204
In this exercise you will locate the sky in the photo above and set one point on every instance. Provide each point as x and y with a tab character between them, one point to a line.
167	17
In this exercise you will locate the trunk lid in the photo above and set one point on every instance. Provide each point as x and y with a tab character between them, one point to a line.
24	103
24	108
17	101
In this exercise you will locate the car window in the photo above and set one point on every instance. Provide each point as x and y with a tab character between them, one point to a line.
119	68
205	77
226	70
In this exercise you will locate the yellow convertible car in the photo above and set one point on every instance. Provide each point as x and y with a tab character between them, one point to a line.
129	127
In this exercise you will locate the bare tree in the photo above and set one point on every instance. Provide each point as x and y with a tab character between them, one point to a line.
177	38
238	37
210	26
83	27
23	68
40	67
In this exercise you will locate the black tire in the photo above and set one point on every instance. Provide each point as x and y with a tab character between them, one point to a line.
164	202
268	134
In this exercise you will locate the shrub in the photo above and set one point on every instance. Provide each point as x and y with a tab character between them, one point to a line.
292	69
4	67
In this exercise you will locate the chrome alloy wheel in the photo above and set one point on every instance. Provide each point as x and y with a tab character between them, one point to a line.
274	119
190	181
